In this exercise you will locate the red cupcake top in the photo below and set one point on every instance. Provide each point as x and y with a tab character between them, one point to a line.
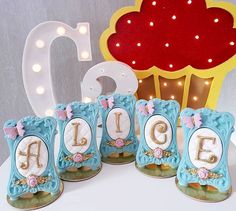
174	34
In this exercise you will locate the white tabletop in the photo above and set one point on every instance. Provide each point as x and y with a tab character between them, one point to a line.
123	187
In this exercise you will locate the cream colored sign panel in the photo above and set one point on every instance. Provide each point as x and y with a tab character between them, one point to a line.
158	132
205	148
77	136
118	123
31	156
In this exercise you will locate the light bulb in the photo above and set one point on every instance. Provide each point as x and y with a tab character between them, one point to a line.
180	83
172	97
167	45
36	68
61	31
210	60
84	55
83	30
171	65
138	44
189	1
151	23
40	43
174	17
232	43
154	3
197	37
140	81
164	84
49	112
151	97
216	20
117	44
129	21
195	98
40	90
207	82
133	62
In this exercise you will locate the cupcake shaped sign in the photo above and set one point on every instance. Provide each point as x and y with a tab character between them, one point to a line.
179	50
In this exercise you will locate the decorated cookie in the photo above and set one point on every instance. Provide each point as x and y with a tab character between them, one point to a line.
167	44
119	143
157	154
78	157
33	180
203	171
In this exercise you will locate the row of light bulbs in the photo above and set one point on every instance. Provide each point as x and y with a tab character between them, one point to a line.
40	90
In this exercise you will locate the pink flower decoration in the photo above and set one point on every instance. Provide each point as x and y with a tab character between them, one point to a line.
13	132
78	158
158	153
193	121
146	109
107	103
32	181
119	143
202	173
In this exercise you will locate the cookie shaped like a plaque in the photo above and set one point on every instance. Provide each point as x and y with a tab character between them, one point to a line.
78	157
157	154
119	143
33	181
203	171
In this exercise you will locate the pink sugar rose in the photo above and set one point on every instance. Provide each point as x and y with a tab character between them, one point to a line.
202	173
119	143
32	181
158	153
77	157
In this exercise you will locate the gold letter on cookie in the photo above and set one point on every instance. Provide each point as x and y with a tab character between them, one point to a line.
28	154
161	127
83	141
212	158
117	115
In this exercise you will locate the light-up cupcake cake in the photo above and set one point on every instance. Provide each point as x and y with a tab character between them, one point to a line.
179	50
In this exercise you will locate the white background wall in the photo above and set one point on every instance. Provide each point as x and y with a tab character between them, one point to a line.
18	17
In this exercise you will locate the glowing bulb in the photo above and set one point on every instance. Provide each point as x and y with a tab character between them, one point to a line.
172	97
171	65
216	20
36	68
117	44
174	17
151	23
49	112
138	44
129	21
83	30
40	90
154	3
133	62
140	81
151	97
210	60
167	45
61	31
84	55
40	43
180	83
195	98
197	37
164	84
207	82
87	100
232	43
189	2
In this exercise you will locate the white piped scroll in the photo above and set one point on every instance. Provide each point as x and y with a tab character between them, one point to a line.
123	75
36	61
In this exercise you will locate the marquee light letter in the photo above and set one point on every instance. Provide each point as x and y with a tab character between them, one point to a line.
36	61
